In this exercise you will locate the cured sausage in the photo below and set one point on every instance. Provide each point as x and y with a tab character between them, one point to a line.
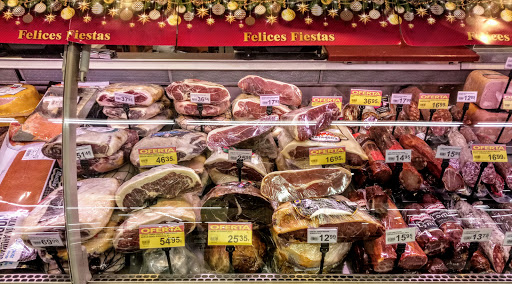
379	170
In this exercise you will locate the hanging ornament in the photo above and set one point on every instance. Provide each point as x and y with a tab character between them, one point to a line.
383	24
275	8
450	18
86	18
374	14
437	9
49	18
409	16
2	5
84	5
181	9
333	13
308	20
154	14
137	6
356	6
365	18
478	10
174	20
288	14
506	15
232	5
260	10
326	2
303	7
346	15
143	18
494	8
354	25
40	7
18	11
316	10
378	2
422	12
201	12
471	21
56	6
250	20
411	26
188	16
7	15
189	26
431	20
394	19
459	14
12	3
161	2
240	14
67	13
126	14
450	6
108	1
27	19
271	19
230	18
210	21
218	9
97	9
400	9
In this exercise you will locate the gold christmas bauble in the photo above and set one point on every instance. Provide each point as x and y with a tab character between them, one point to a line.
346	15
27	19
126	14
188	16
275	8
450	6
232	5
56	6
356	6
493	7
181	9
2	5
459	14
174	20
67	13
316	10
437	9
478	10
326	2
260	10
137	6
18	11
250	21
409	16
40	7
97	9
12	3
374	14
154	14
218	9
288	14
506	15
240	14
108	1
394	19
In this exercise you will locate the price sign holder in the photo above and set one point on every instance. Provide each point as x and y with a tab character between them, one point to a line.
200	109
217	239
399	108
126	109
51	248
239	166
429	120
473	196
55	255
168	256
324	249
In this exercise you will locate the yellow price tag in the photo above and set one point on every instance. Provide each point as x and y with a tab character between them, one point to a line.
149	157
434	101
162	236
365	97
318	101
489	153
230	234
327	156
507	102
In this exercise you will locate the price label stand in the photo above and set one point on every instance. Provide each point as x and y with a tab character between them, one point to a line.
464	110
324	249
200	109
429	120
126	109
400	249
269	110
53	252
239	166
444	166
473	196
360	115
230	250
398	110
473	247
168	256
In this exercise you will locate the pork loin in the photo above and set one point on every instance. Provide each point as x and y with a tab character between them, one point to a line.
222	170
145	94
288	94
309	121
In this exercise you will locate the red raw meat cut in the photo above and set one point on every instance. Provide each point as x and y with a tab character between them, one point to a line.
308	121
180	91
288	94
248	107
190	108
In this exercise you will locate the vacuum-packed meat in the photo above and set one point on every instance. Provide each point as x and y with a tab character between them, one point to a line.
144	94
248	107
141	113
309	121
379	170
288	94
190	108
180	91
208	124
222	170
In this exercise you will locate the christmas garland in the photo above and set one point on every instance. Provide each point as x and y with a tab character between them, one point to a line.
246	12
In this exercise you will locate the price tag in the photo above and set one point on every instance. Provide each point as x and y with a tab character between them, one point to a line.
467	97
54	102
124	98
448	152
401	99
489	153
235	154
318	101
11	90
476	235
149	157
322	235
398	156
269	100
508	239
400	236
162	236
507	102
46	240
34	153
84	152
508	64
327	155
433	101
230	234
200	98
365	97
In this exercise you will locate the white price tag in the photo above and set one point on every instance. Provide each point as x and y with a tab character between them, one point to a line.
467	97
400	236
448	152
476	235
508	64
508	239
401	99
323	236
269	100
11	90
398	156
124	98
200	98
46	240
54	102
84	152
34	154
235	154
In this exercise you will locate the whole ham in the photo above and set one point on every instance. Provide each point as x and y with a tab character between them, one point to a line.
144	94
176	210
180	91
209	124
141	113
167	181
248	107
490	86
190	108
283	186
222	170
288	94
309	121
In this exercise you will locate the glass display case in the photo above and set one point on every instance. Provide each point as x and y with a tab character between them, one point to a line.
227	170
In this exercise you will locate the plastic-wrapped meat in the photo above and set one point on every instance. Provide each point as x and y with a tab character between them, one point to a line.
309	121
456	112
502	214
474	218
505	170
248	107
288	94
380	171
190	108
222	170
351	113
469	135
476	115
402	130
456	138
382	256
479	263
209	124
183	261
144	95
436	266
430	238
180	91
441	115
445	219
377	199
141	113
